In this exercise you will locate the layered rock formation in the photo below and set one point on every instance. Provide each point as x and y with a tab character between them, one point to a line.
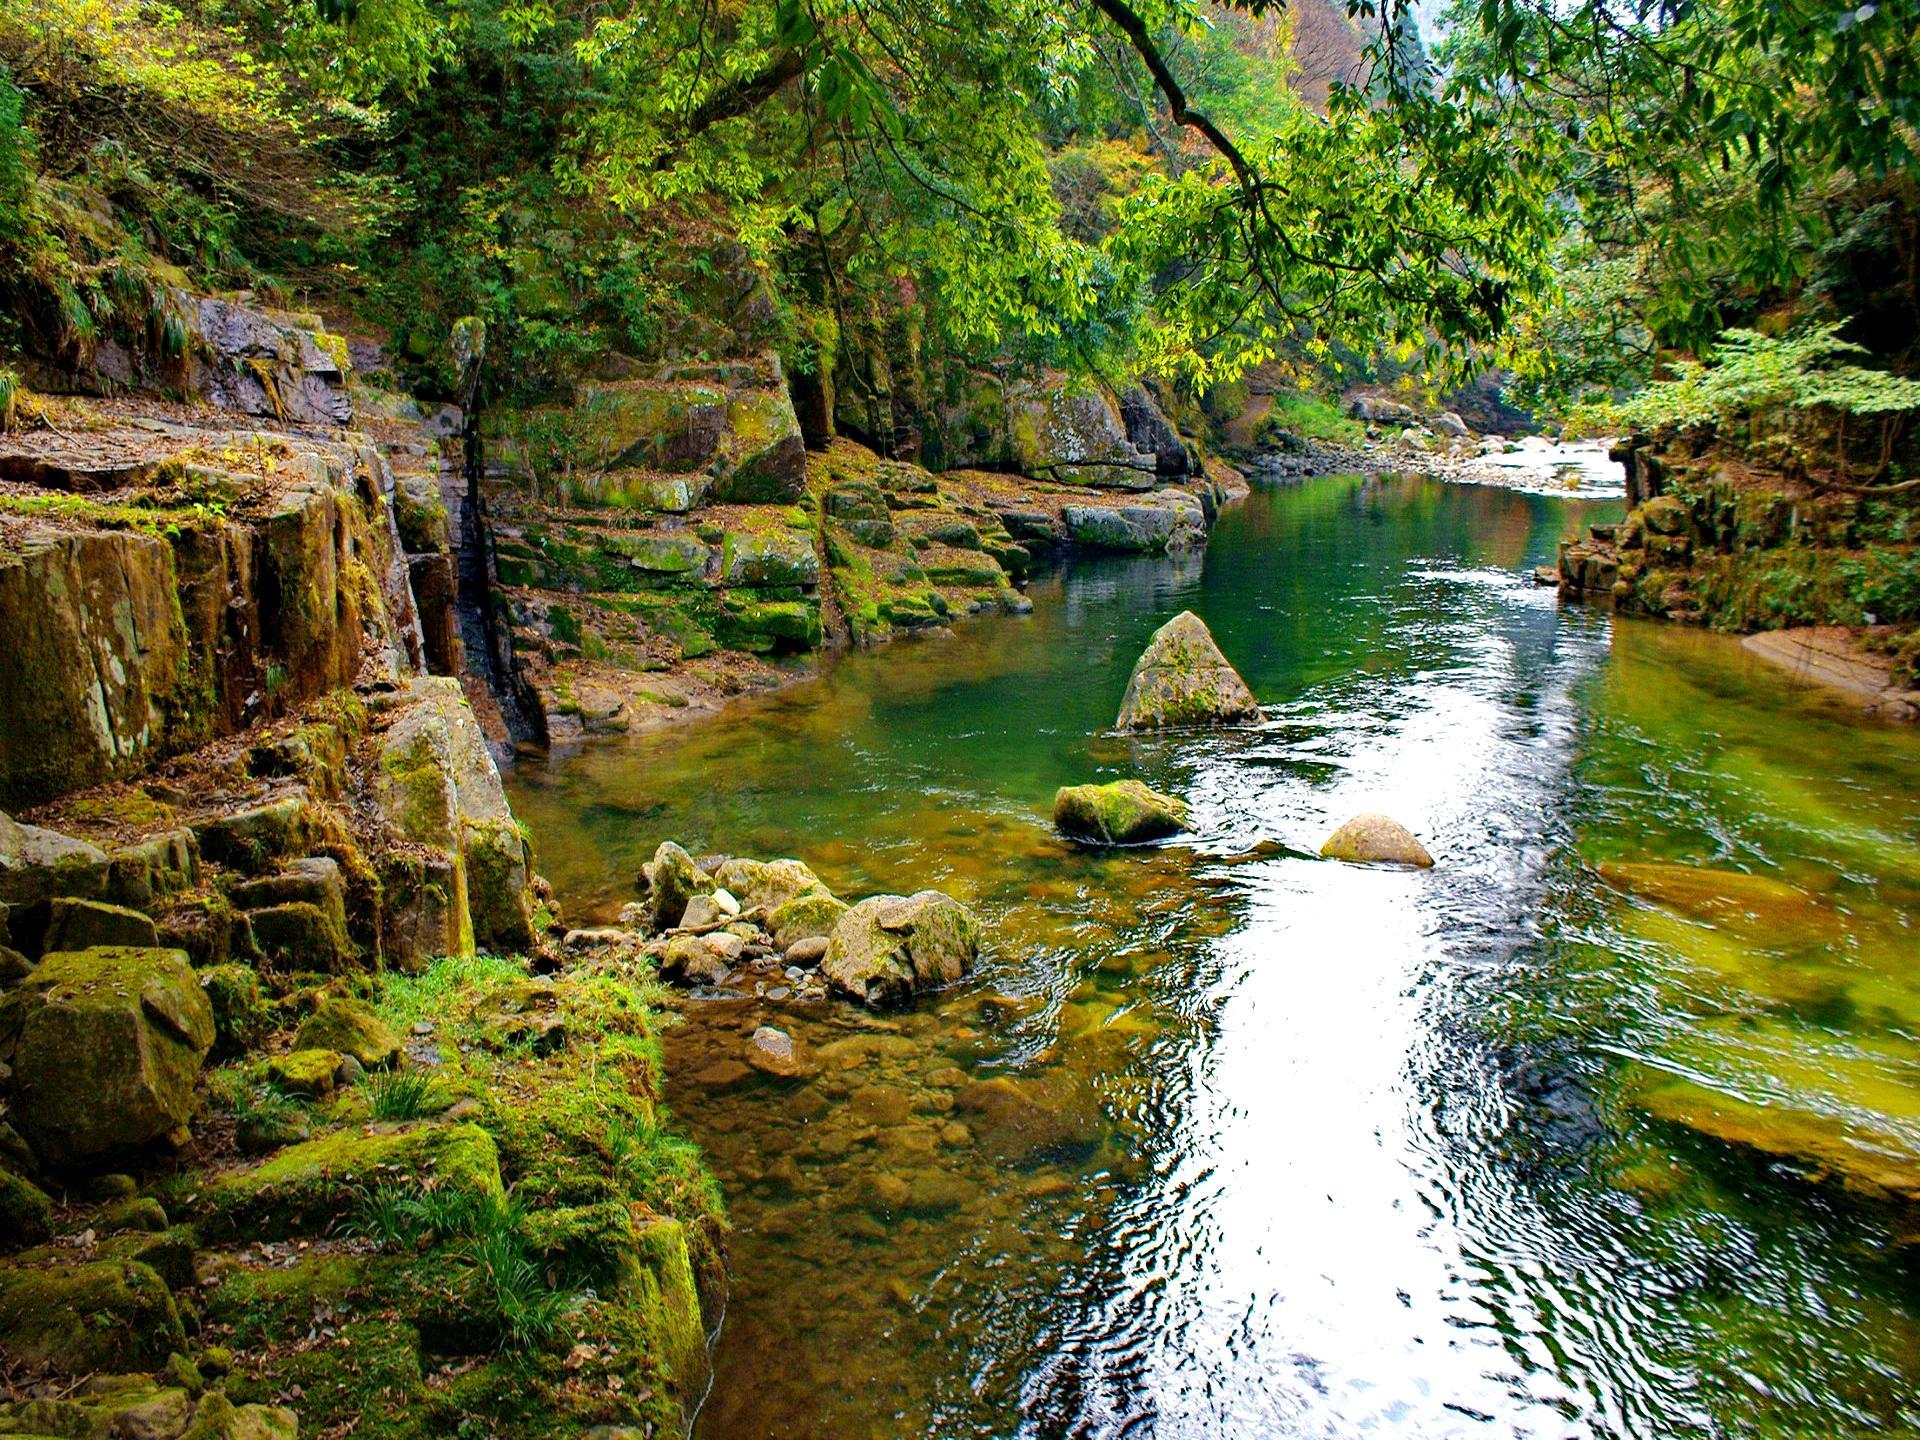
266	930
665	540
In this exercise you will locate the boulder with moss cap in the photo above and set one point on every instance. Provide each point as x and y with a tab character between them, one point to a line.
1125	812
107	1044
1183	679
889	946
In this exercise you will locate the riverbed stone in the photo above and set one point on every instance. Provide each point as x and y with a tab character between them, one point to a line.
773	1051
107	1044
674	879
808	951
768	884
690	961
1125	812
889	946
1376	840
1182	678
805	917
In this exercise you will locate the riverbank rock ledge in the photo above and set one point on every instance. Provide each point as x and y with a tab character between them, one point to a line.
1376	840
1183	679
1125	812
888	947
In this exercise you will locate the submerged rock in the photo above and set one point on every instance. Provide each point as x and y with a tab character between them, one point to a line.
1183	679
1376	840
888	946
107	1044
774	1052
1125	812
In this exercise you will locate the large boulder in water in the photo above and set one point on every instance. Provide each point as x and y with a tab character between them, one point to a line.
106	1046
1183	679
888	946
1123	813
1376	840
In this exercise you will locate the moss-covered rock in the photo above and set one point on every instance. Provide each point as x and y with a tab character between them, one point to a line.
767	884
102	1315
107	1045
305	1072
437	784
672	879
805	916
888	946
26	1214
1376	840
349	1027
1183	679
37	863
218	1418
307	1189
1125	812
239	1008
298	937
74	924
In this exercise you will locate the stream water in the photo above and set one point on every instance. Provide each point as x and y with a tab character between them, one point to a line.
1590	1130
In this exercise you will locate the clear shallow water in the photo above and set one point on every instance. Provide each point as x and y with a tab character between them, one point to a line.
1222	1140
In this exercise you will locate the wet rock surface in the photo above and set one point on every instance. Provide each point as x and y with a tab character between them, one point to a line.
1183	679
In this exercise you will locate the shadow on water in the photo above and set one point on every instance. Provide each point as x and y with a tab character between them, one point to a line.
1222	1140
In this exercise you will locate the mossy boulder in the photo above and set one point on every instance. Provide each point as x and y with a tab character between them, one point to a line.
889	946
673	878
1183	679
239	1008
298	937
771	557
307	1189
1125	812
305	1072
75	924
1376	840
350	1027
767	884
438	786
806	916
102	1315
107	1044
218	1418
37	863
26	1213
256	838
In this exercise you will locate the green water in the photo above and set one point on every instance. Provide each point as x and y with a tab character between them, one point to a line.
1223	1140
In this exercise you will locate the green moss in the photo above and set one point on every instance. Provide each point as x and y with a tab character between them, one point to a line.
26	1214
103	1315
306	1189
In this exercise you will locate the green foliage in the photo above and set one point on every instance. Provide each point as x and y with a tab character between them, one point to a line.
1715	161
1747	375
402	1095
16	162
500	1282
431	995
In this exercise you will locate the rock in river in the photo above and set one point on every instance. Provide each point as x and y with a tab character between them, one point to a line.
1183	679
1376	840
1123	813
888	946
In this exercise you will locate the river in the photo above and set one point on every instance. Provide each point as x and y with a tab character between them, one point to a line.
1573	1135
